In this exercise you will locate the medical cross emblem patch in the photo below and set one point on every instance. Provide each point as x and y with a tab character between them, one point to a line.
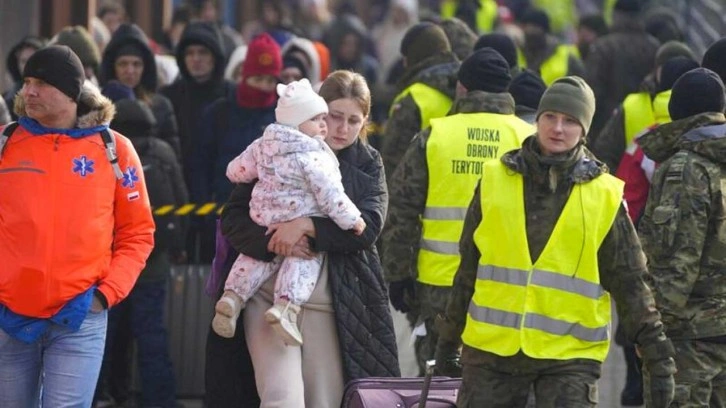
82	166
130	177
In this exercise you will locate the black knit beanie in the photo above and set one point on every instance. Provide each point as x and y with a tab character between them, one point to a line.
59	66
697	91
485	70
672	69
715	58
502	44
527	89
422	41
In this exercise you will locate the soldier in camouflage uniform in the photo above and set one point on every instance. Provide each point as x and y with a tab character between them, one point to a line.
553	165
484	78
683	232
429	61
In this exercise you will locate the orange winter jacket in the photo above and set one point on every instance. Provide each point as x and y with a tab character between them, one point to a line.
67	223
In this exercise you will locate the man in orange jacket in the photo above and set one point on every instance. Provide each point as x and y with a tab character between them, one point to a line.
75	231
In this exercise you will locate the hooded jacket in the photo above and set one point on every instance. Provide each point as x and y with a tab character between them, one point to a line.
190	97
308	48
548	181
160	105
683	229
69	223
11	64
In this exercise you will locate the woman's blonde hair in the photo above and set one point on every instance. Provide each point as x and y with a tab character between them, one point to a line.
344	84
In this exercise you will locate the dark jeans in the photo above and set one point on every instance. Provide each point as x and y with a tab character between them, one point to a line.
139	317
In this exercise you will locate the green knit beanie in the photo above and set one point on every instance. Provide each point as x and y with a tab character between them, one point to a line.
572	96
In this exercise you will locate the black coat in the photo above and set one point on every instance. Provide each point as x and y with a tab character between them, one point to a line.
360	300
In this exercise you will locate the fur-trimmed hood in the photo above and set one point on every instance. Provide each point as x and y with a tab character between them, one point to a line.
93	110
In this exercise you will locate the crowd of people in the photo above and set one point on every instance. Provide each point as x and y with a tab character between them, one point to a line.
498	172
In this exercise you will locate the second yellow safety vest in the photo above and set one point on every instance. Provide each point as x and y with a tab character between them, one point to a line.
641	112
486	15
549	308
457	148
431	102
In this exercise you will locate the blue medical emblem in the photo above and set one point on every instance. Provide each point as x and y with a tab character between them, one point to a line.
130	177
82	166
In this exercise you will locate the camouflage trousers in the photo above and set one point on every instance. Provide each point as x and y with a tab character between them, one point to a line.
701	376
492	381
430	301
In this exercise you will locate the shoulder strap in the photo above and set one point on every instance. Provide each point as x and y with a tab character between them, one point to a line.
110	142
7	132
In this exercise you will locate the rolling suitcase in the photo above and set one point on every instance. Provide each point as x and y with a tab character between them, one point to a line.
380	392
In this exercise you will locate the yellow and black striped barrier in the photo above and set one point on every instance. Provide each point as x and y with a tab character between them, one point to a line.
189	209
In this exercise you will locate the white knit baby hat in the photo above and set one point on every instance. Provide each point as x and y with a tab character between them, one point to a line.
298	102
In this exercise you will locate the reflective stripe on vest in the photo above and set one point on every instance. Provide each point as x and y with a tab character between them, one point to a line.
455	152
486	15
431	102
554	308
640	112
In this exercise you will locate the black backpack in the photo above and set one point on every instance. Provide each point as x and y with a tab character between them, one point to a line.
106	137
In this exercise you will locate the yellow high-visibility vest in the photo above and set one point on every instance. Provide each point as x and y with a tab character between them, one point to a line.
640	112
457	148
554	67
558	64
486	15
431	102
562	13
554	307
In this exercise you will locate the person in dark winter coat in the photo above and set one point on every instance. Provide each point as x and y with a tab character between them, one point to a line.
618	61
15	63
129	59
228	126
355	336
201	62
140	316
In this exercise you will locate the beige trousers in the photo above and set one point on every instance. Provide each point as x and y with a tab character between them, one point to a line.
296	377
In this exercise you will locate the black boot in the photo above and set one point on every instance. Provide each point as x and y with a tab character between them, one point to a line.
632	395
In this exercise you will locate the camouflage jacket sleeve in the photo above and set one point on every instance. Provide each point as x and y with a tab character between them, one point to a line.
673	230
465	278
623	273
609	145
407	201
401	127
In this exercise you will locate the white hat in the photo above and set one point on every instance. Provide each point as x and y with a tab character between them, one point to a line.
298	102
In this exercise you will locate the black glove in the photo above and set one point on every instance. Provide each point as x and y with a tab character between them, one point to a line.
660	367
662	390
400	293
447	359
